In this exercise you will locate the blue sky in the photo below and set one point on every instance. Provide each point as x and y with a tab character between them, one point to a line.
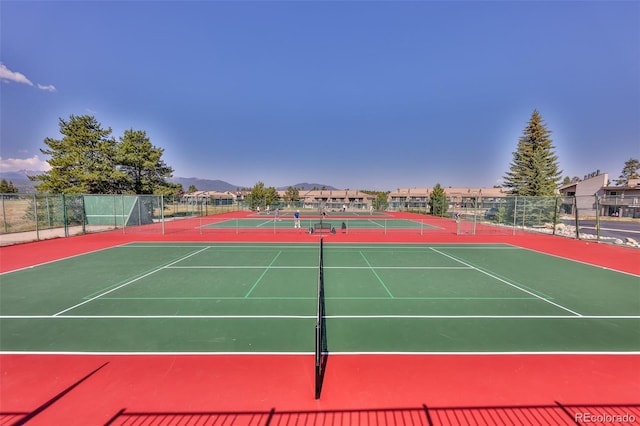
353	94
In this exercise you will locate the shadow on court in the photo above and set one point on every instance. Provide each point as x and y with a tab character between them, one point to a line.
556	414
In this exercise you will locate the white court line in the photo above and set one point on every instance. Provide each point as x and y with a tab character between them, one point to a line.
129	282
262	275
577	261
316	267
265	223
375	223
611	229
330	353
564	317
508	283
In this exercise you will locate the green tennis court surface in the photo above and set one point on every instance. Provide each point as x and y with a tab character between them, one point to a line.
331	213
250	297
337	223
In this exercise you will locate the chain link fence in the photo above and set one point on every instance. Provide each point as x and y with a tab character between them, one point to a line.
30	217
612	219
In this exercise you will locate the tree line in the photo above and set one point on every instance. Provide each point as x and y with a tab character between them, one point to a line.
88	159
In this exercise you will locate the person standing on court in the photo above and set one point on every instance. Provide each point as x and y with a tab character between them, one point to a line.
296	219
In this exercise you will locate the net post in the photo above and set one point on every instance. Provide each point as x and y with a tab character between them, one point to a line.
319	371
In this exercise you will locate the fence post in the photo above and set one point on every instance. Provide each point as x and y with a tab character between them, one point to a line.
35	214
64	216
162	212
122	217
555	215
575	207
475	214
49	213
515	214
84	214
4	215
597	216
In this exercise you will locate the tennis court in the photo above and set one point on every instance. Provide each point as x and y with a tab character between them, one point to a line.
313	224
116	330
262	298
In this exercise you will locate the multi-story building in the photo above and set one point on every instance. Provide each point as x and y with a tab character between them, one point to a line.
594	194
457	197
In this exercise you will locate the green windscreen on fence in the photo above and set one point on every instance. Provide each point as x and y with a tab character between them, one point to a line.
118	210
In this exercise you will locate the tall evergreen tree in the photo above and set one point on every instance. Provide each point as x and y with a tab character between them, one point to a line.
631	170
534	170
438	201
141	162
292	195
83	161
7	187
261	196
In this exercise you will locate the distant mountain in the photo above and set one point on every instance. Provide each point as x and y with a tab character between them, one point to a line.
308	186
20	174
222	186
205	184
21	180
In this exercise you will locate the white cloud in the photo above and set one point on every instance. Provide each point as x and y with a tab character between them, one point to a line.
8	75
16	164
48	88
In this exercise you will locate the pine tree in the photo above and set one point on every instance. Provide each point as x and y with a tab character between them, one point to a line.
631	170
83	161
142	163
292	195
7	187
534	170
438	201
261	196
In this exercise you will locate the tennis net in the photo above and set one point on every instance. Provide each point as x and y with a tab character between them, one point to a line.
320	326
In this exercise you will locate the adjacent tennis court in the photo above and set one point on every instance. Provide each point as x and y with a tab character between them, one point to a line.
335	223
261	298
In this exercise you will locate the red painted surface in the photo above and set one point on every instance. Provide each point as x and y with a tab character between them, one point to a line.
600	254
240	384
247	389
